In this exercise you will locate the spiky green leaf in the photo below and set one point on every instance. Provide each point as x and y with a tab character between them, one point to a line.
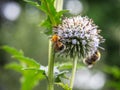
34	3
28	61
12	50
19	56
14	66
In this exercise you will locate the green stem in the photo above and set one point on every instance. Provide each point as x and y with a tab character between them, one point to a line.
51	67
73	72
58	6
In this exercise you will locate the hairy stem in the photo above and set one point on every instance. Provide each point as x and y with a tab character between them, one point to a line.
73	72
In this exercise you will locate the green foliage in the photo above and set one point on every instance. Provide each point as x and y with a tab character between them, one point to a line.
20	56
14	66
114	77
53	17
64	86
60	75
63	69
29	68
30	79
28	61
67	66
115	85
12	51
36	4
32	72
114	71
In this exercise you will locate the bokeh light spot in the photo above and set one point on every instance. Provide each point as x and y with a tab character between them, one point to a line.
11	10
85	79
75	7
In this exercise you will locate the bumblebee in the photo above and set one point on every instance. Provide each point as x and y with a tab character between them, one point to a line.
57	44
91	60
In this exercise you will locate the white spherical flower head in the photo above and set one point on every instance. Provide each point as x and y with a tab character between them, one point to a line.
79	35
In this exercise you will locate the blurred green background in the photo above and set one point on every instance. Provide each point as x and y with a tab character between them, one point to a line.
20	28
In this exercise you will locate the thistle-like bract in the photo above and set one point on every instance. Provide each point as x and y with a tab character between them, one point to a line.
79	35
